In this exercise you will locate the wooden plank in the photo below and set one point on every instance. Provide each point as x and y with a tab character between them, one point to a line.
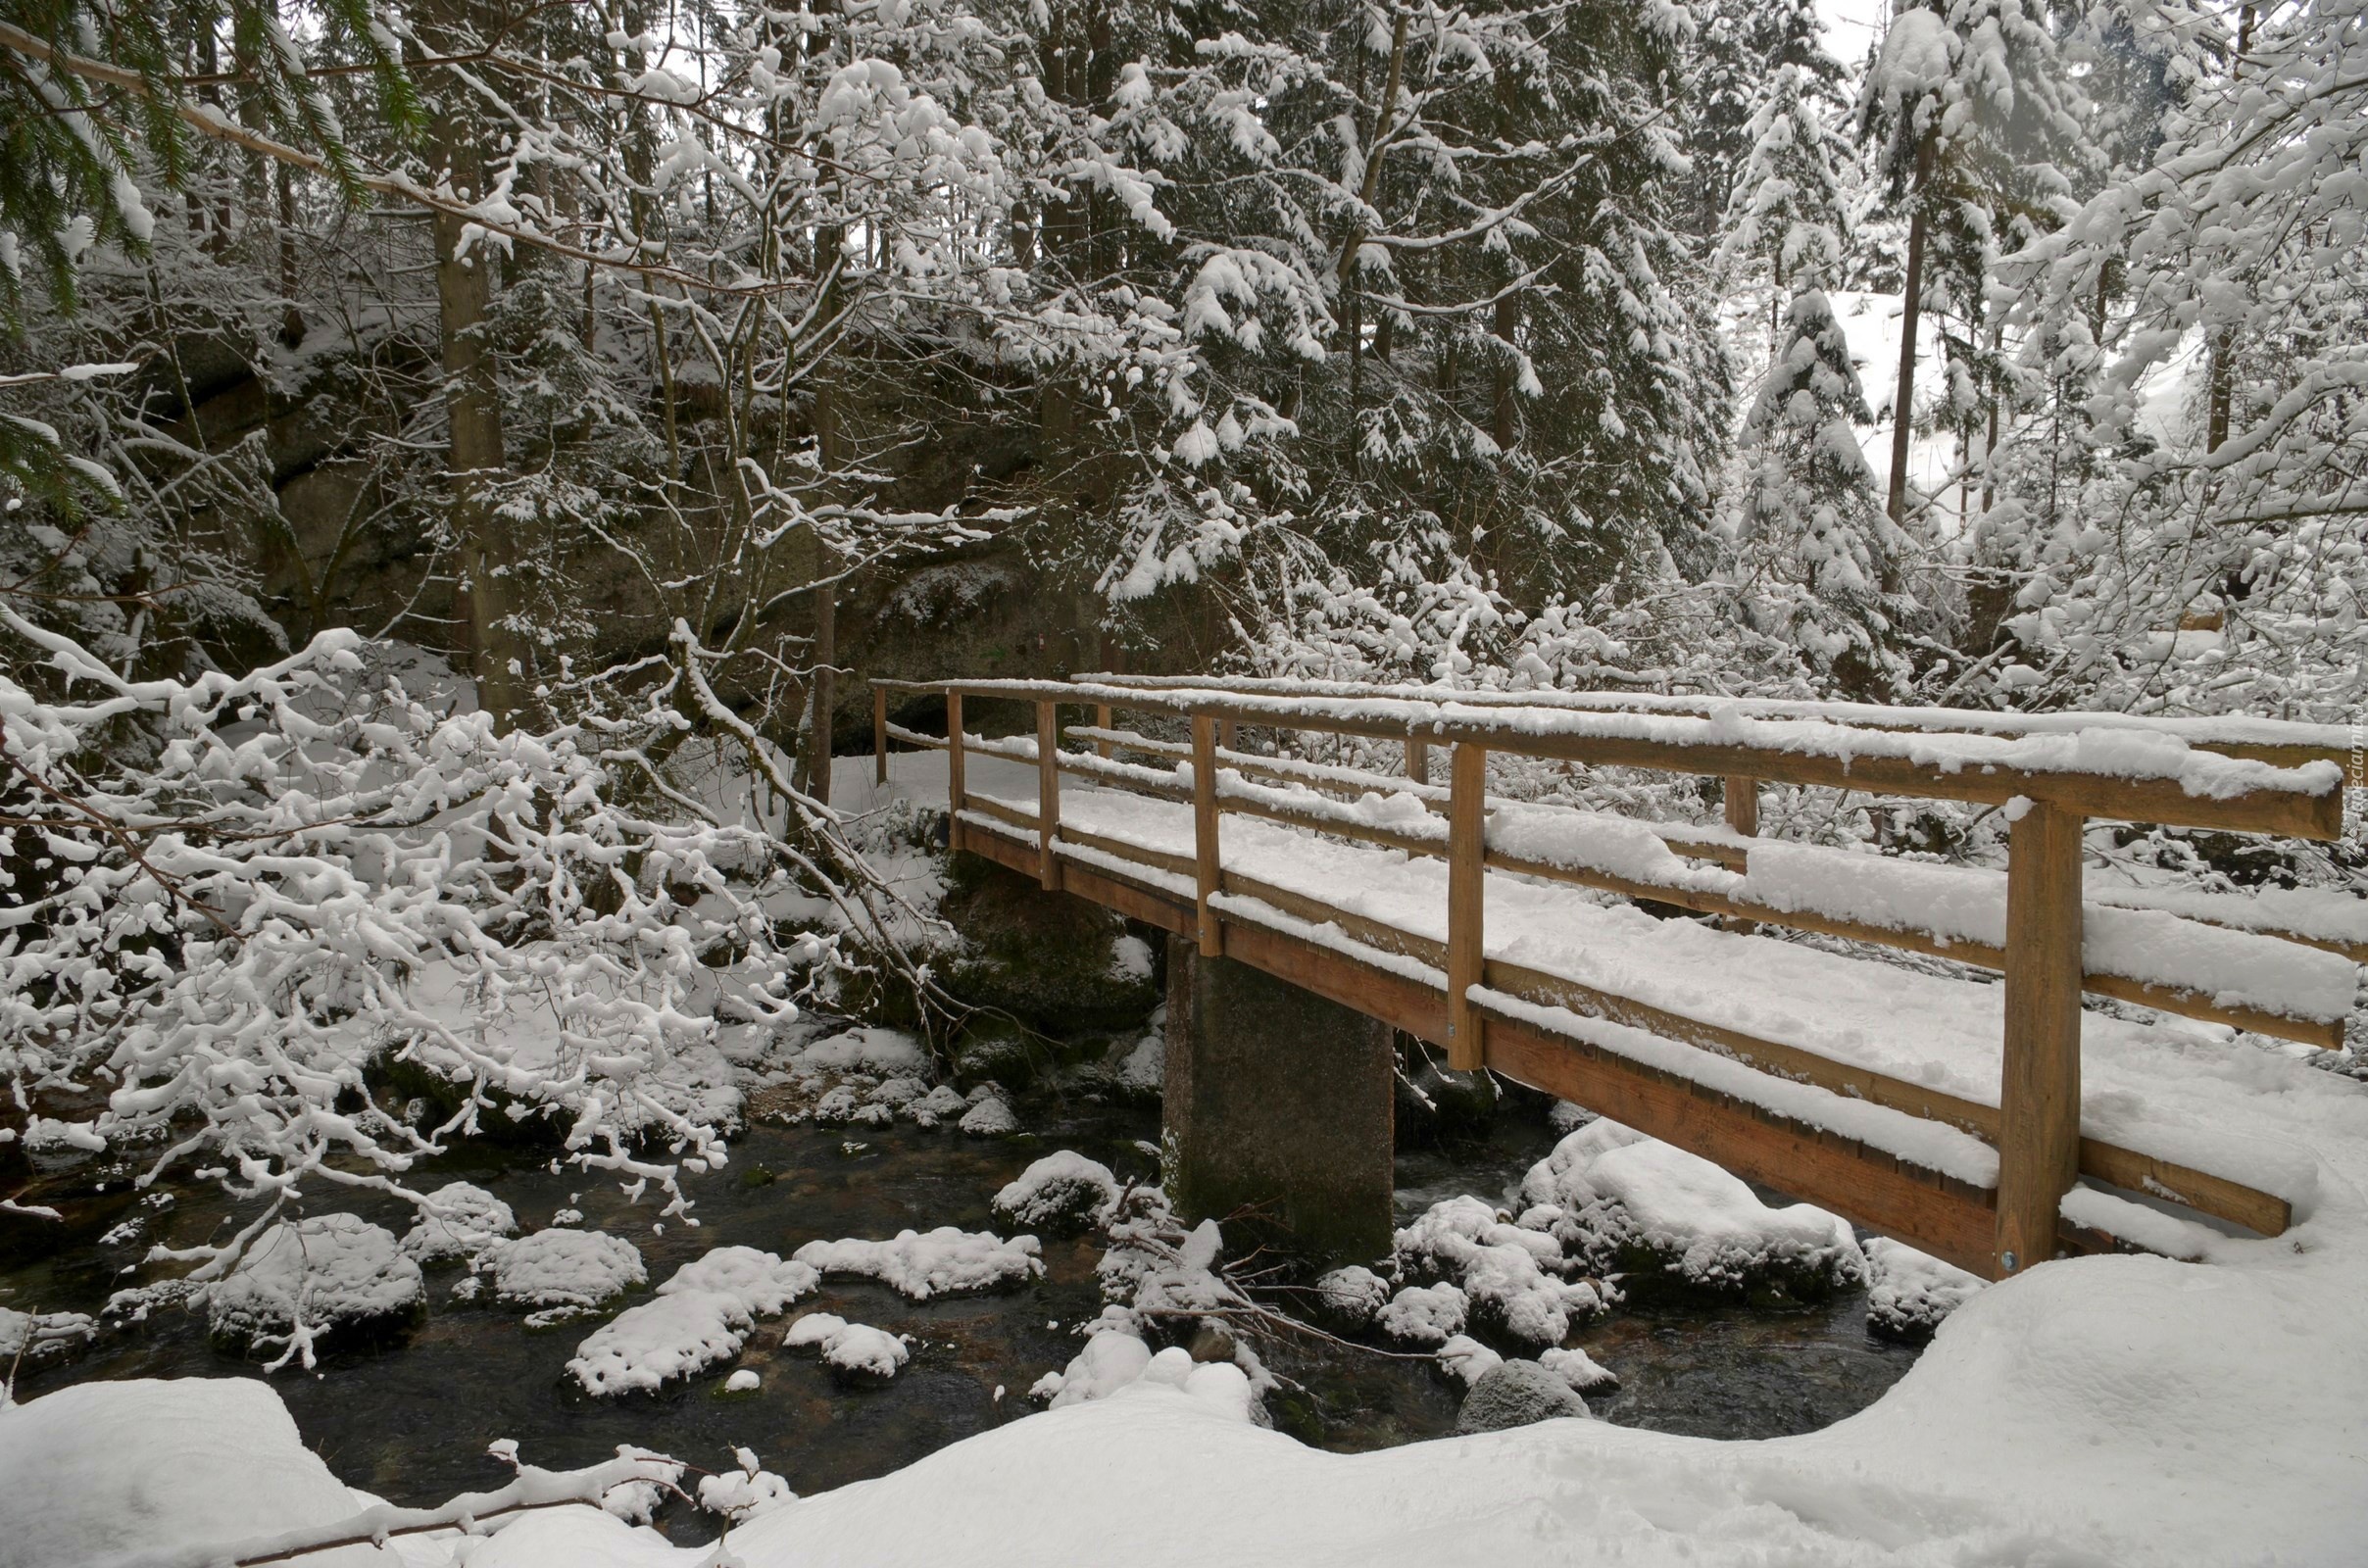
1120	849
2039	1093
1204	829
990	844
1151	906
1001	811
1335	976
880	735
913	737
1924	1209
957	798
1048	794
1102	720
1467	904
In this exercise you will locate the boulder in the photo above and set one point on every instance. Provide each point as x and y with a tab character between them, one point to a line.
1516	1394
343	1275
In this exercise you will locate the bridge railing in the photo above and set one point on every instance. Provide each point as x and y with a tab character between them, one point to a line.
2053	776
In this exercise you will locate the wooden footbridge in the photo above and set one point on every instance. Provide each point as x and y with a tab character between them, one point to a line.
1934	1107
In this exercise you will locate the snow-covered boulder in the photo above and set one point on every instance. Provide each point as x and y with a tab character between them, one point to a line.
562	1271
764	1283
1502	1268
1352	1298
1467	1359
945	1261
991	1117
856	1349
1115	1361
1515	1393
1580	1371
746	1492
935	1106
101	1471
1909	1293
1425	1314
333	1272
877	1051
43	1337
464	1220
664	1338
1623	1203
1062	1192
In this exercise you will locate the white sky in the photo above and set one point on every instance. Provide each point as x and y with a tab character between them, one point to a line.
1849	25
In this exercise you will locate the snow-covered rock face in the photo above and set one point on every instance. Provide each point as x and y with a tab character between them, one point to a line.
1515	1393
563	1270
1617	1201
855	1349
1909	1294
1060	1193
331	1272
464	1221
1511	1276
945	1261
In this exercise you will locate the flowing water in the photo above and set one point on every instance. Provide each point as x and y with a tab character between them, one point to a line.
409	1421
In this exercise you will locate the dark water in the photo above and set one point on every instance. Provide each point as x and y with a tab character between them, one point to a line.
411	1422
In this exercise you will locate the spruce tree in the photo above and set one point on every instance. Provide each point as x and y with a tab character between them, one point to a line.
1786	221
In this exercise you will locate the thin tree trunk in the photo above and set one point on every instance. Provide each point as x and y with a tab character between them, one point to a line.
1508	429
473	411
1910	307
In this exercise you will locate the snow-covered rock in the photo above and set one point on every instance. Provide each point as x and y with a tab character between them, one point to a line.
564	1269
991	1117
111	1469
1351	1297
42	1338
1060	1192
1515	1393
882	1052
1467	1359
464	1221
855	1349
764	1283
1909	1293
332	1272
1650	1212
1425	1314
937	1105
1580	1371
945	1261
659	1340
1502	1268
746	1492
744	1380
1115	1361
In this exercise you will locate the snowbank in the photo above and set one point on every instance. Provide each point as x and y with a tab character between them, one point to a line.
1911	1294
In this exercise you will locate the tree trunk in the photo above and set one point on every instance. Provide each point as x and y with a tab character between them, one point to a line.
1508	429
1910	306
464	294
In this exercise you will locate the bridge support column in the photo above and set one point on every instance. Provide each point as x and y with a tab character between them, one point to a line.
1276	1098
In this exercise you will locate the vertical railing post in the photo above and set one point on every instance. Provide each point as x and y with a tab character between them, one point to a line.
879	734
1418	760
1102	720
1048	794
2038	1092
1206	861
957	798
1229	734
1466	898
1743	815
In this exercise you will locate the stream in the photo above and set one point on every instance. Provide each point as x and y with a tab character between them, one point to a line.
411	1421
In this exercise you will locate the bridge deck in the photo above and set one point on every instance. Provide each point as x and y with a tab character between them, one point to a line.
1869	1088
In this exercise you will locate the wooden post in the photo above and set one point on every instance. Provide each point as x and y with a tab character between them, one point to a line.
1418	760
2039	1096
880	735
956	797
1102	720
1048	794
1229	734
1743	815
1205	862
1467	897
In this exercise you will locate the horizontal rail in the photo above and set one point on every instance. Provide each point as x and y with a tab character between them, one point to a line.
2281	743
1846	757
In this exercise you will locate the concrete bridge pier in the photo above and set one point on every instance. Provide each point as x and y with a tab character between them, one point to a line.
1277	1098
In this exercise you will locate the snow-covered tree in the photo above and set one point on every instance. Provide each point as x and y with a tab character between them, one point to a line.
1787	222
